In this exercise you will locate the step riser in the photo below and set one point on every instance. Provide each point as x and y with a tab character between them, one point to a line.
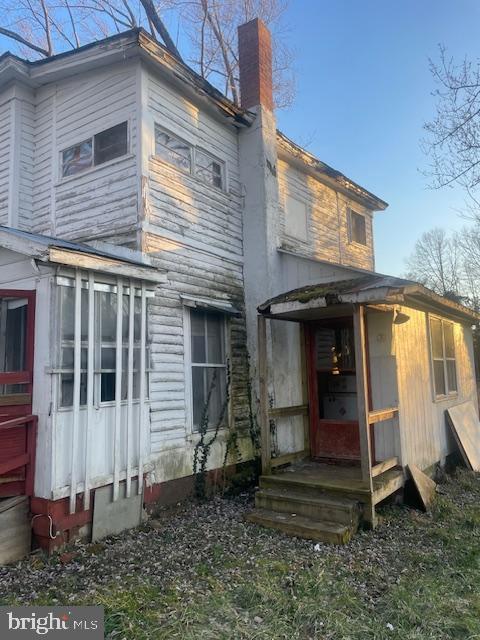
314	511
270	482
301	532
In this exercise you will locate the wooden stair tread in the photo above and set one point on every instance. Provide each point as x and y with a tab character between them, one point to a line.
298	496
286	479
322	531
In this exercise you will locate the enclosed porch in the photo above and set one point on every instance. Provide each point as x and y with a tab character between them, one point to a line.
334	453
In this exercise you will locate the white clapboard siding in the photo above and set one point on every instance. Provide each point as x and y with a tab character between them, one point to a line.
193	273
5	127
327	220
26	112
103	199
424	431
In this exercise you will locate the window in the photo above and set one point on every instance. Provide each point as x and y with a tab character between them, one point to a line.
295	218
105	343
106	145
208	169
358	231
209	367
442	343
202	165
173	150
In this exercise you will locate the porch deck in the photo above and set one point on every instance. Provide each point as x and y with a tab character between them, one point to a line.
344	479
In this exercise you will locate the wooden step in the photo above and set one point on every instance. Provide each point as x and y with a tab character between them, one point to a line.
301	527
313	487
323	507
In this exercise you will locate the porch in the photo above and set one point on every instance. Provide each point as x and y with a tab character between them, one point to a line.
351	455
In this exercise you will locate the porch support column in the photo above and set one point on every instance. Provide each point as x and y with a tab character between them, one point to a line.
361	365
263	396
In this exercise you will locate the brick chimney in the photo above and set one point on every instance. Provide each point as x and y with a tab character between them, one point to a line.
255	63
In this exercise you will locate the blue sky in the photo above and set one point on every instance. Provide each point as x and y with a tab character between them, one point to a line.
364	92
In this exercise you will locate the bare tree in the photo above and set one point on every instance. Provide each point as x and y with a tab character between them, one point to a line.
41	28
453	136
436	262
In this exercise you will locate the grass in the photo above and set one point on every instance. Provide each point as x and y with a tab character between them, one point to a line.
416	577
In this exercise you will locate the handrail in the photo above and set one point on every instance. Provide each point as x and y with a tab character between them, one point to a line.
26	459
380	415
285	412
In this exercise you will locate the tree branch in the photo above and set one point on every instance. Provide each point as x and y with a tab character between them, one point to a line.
18	38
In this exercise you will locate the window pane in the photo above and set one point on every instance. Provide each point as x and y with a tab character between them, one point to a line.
111	143
215	340
198	336
68	356
67	297
449	340
107	387
66	389
198	387
108	315
216	380
436	333
109	358
77	158
137	319
208	169
13	311
125	319
173	150
451	376
439	377
359	233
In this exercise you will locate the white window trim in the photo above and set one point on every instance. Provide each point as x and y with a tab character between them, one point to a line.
61	179
290	236
350	228
188	364
453	394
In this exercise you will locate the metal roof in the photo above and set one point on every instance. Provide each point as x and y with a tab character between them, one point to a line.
59	243
307	302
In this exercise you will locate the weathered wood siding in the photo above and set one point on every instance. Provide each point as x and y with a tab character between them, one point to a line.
327	220
425	436
5	132
194	231
102	201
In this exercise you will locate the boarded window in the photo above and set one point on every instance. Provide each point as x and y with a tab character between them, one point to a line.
208	169
106	145
444	366
358	231
209	368
295	218
173	150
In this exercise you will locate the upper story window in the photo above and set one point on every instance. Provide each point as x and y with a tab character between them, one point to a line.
181	154
208	169
442	343
100	148
172	149
295	218
358	228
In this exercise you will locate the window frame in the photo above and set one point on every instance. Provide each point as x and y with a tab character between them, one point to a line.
189	364
91	139
438	397
352	240
194	149
306	208
103	285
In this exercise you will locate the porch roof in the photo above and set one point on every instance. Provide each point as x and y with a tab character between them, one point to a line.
336	298
99	257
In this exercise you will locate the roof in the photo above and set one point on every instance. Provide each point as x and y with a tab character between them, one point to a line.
108	258
314	300
138	43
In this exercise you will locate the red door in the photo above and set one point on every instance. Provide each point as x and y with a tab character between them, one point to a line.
17	323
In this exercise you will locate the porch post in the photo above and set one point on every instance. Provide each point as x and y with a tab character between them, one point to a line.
361	365
263	395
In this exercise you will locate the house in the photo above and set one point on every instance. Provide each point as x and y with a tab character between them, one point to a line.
148	228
